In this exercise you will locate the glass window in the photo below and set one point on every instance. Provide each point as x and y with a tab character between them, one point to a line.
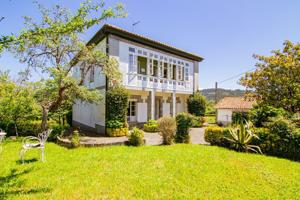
165	70
142	65
186	73
131	49
131	63
92	74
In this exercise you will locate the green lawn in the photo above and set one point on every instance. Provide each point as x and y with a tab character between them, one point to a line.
157	172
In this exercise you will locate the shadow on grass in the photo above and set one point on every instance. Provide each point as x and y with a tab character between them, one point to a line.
11	185
26	161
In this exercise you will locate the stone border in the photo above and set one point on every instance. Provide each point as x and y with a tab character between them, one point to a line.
67	143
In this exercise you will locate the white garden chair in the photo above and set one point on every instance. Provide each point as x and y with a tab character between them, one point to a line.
32	142
2	136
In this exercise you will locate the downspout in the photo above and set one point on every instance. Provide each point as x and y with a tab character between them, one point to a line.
106	83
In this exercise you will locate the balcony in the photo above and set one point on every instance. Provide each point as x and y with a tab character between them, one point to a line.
145	82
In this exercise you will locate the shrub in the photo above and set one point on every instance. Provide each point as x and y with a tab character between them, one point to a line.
261	114
117	132
241	136
167	128
114	124
238	117
117	102
75	140
184	122
151	126
280	139
136	137
197	121
57	131
115	128
296	119
216	135
196	104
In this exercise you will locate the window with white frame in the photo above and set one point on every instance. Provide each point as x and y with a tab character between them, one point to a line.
151	67
179	72
92	74
132	63
186	73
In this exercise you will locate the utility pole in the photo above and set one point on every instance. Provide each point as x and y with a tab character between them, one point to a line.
216	92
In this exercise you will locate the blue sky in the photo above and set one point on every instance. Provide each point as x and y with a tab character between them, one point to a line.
225	33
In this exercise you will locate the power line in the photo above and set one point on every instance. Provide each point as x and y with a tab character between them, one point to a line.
235	76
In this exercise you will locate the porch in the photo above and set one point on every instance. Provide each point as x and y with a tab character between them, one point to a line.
144	105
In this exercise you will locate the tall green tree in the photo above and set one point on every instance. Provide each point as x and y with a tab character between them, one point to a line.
197	104
16	102
276	81
53	46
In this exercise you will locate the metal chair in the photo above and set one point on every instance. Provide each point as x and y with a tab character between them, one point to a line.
32	142
2	136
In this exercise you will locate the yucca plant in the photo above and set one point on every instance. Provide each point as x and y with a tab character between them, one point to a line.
241	136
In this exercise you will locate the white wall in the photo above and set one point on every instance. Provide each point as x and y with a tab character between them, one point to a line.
224	115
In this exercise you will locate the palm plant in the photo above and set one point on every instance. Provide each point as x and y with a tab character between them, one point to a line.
241	136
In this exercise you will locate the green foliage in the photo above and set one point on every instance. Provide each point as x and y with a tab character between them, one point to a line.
210	108
238	117
57	131
151	126
280	139
240	138
117	132
184	122
296	119
16	104
114	124
275	82
197	121
136	137
196	104
261	114
167	128
117	103
53	46
75	140
216	135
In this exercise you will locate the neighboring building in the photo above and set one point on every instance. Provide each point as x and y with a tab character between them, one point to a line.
228	105
159	78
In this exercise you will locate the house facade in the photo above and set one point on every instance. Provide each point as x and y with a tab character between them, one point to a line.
159	78
228	105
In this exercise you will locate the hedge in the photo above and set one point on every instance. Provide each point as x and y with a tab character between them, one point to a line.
184	122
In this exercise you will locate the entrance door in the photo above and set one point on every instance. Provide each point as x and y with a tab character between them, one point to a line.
131	111
158	108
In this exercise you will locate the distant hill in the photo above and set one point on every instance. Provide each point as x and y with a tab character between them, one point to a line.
210	93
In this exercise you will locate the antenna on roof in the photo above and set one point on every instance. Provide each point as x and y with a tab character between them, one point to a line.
1	18
134	24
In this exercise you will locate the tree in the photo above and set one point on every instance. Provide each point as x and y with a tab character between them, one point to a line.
16	102
196	104
53	47
276	81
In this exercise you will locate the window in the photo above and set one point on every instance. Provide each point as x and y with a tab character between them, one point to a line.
179	72
132	63
131	111
142	65
186	73
174	72
155	68
165	70
151	71
170	71
161	67
92	74
131	49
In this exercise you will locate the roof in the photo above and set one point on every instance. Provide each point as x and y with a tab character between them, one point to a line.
235	103
110	29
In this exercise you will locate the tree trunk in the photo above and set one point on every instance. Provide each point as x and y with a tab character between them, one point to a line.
44	118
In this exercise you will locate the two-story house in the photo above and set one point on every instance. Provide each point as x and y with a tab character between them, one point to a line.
159	78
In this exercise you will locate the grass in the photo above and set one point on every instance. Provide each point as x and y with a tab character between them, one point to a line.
156	172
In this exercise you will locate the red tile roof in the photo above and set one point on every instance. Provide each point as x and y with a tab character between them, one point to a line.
235	103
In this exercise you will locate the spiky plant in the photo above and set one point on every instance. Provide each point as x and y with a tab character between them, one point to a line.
241	136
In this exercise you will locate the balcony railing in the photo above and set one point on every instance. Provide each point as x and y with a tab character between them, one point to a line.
163	84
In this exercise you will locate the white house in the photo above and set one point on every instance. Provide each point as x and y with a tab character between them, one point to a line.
228	105
159	78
